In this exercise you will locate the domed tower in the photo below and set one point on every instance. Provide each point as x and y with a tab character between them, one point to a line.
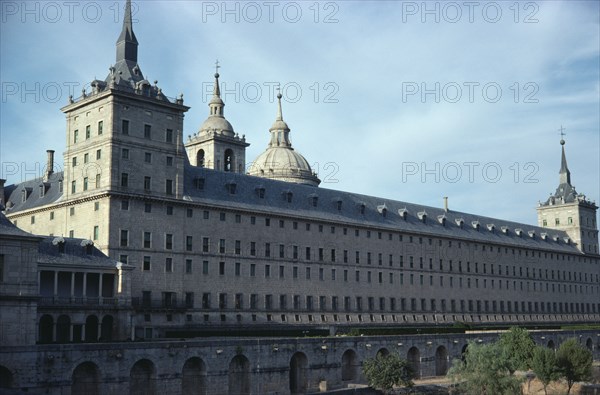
216	145
280	161
570	211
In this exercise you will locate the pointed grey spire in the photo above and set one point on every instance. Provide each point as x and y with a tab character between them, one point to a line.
279	113
565	174
280	131
127	44
216	104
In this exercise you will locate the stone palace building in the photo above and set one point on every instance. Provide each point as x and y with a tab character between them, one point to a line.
149	236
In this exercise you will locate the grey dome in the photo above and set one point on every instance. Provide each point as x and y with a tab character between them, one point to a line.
284	164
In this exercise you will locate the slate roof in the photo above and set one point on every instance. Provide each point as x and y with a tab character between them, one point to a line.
8	229
217	188
75	253
34	199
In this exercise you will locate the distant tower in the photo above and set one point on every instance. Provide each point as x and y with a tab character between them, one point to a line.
216	145
280	161
569	211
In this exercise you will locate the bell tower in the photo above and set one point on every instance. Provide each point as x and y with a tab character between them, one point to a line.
570	211
216	145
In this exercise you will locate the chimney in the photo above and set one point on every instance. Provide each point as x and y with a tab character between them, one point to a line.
49	165
446	203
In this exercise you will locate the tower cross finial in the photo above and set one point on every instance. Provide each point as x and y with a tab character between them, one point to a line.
217	67
562	134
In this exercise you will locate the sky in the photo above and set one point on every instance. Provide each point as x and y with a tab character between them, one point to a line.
410	101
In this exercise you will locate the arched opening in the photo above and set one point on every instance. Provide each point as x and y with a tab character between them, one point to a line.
86	379
91	329
349	365
441	361
414	361
551	345
200	158
106	329
298	378
383	352
239	376
228	160
193	380
46	327
6	378
589	344
63	329
463	353
142	378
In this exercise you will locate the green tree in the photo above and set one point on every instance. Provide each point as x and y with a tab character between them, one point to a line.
485	371
517	346
385	372
544	366
574	362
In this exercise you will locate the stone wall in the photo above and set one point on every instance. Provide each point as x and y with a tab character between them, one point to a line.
234	365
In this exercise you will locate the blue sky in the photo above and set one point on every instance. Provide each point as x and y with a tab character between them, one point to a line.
403	100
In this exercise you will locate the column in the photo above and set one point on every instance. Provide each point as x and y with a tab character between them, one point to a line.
53	330
100	288
84	284
72	284
55	284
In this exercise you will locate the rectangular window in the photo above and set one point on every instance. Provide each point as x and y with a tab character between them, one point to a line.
168	241
86	157
147	157
97	180
147	131
169	136
221	268
169	161
147	240
205	244
169	187
124	238
252	270
125	153
188	266
88	132
188	243
169	265
222	246
146	264
98	154
124	179
73	186
85	183
238	269
75	135
96	232
125	126
147	183
204	267
100	127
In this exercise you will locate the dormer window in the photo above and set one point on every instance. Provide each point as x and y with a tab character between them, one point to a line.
422	216
382	209
23	196
361	208
337	202
88	245
289	196
519	232
504	229
556	238
314	200
475	225
442	219
199	183
42	190
60	243
403	212
531	234
567	240
231	187
491	227
260	191
544	236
